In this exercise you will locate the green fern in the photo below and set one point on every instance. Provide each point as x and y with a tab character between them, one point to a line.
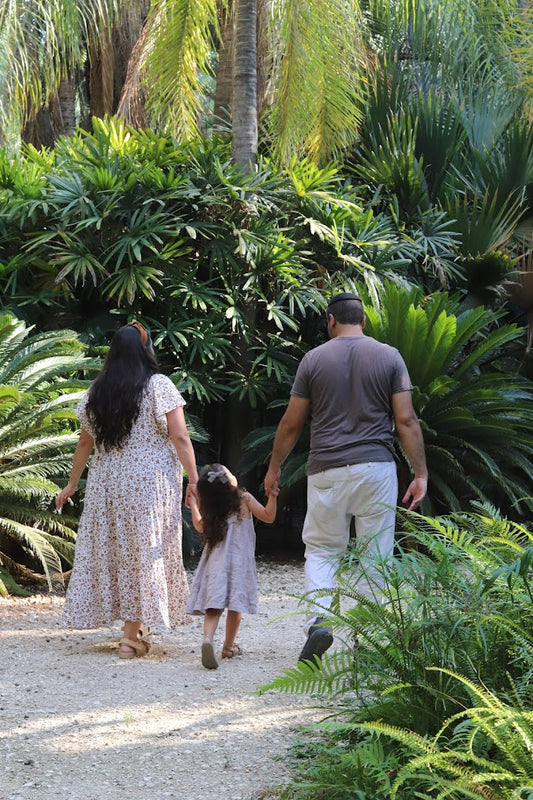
455	761
439	672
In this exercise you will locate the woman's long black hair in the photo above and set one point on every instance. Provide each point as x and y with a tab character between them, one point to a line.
218	499
115	395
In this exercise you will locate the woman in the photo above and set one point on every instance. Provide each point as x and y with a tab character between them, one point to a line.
128	563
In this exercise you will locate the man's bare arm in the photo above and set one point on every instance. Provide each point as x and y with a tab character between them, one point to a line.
287	434
410	433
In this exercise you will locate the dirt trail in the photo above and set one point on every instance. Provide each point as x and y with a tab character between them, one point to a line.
77	723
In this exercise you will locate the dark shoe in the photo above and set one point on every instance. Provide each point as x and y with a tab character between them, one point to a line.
209	660
319	639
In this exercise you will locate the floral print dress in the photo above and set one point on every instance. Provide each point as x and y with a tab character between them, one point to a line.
128	561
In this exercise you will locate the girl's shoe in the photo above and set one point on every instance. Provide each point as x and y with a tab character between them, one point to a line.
229	652
209	660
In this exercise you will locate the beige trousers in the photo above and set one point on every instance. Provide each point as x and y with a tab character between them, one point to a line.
367	492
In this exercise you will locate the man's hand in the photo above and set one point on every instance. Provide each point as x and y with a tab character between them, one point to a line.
416	491
272	481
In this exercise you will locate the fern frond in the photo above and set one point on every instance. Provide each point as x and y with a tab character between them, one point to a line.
331	675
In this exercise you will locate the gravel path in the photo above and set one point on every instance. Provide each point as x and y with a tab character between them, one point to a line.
77	723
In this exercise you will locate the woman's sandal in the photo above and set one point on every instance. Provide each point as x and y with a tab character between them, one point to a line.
229	652
143	631
140	648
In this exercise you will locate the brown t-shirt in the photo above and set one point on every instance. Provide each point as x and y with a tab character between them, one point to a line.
350	381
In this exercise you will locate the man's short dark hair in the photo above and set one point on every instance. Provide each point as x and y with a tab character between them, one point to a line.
347	308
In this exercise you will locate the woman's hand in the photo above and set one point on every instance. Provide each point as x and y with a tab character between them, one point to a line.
65	495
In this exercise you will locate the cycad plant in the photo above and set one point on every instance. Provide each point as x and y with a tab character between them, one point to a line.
474	407
41	378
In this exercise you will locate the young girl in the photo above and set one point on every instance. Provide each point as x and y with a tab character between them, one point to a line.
226	576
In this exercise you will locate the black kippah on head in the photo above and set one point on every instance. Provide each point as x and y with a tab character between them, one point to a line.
342	296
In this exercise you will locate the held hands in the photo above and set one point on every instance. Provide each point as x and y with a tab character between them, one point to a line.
191	495
272	481
416	491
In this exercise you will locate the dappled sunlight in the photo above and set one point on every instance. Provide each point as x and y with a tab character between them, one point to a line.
90	731
74	717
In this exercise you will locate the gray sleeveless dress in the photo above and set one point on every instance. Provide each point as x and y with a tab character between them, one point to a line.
226	575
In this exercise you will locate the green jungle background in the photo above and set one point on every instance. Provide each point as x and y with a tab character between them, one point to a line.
218	170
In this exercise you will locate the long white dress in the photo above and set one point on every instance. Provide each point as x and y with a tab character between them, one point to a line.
226	576
128	560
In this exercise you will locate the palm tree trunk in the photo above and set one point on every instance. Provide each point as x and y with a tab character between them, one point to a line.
113	51
45	126
101	76
66	95
38	130
244	113
224	87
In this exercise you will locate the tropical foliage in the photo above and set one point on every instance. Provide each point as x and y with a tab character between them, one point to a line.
475	409
427	107
122	222
437	677
444	143
62	61
305	58
38	389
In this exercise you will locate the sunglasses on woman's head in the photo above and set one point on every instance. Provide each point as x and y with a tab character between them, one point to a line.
144	333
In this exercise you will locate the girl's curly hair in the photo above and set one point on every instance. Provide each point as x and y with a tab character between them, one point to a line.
218	499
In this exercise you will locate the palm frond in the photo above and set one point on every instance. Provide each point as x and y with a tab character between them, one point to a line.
41	383
314	78
177	57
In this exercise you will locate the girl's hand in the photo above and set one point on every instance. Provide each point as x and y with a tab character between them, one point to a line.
191	495
65	495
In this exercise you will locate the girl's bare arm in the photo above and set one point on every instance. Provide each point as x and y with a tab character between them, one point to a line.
264	513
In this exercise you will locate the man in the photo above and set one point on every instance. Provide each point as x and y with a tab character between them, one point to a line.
354	388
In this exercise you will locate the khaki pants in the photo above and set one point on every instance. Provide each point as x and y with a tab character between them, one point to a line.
367	492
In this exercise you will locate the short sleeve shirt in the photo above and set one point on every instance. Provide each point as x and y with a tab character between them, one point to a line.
349	382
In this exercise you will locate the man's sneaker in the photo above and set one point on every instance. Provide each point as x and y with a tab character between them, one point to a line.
319	639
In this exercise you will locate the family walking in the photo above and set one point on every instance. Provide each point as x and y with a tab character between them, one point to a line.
128	562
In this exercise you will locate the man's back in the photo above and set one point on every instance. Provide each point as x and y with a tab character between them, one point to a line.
349	381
